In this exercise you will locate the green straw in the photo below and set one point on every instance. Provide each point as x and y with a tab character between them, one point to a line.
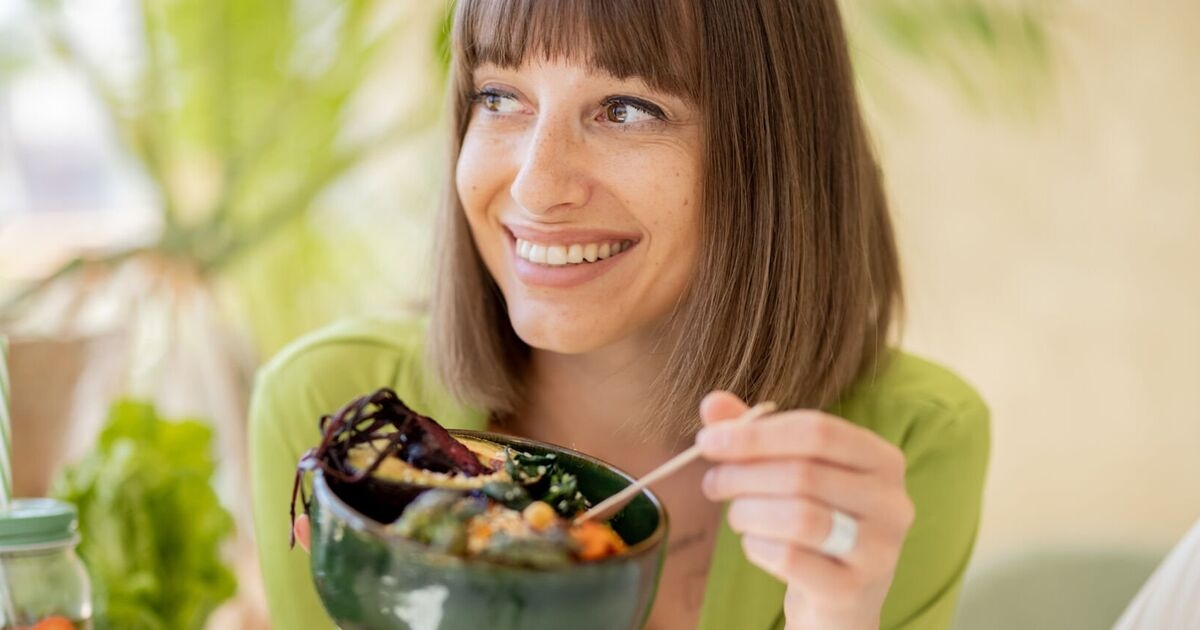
5	429
6	604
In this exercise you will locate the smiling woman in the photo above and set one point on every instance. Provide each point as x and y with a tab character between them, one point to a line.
650	203
730	155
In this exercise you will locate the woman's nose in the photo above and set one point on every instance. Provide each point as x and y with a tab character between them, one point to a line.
551	174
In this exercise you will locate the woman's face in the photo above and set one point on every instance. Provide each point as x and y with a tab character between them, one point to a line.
582	192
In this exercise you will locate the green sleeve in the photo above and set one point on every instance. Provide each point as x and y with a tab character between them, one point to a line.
315	376
947	460
277	440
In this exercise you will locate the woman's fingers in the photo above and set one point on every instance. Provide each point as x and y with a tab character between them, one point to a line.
791	563
719	406
850	491
807	523
793	521
801	433
818	584
302	531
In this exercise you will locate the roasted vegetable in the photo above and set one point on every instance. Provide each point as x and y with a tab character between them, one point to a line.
596	540
542	552
507	493
439	518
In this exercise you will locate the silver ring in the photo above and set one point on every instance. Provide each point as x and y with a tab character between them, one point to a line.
843	536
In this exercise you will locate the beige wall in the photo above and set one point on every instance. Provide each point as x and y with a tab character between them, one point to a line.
1056	264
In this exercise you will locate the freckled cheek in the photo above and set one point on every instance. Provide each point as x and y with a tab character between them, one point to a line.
673	216
480	174
477	187
468	180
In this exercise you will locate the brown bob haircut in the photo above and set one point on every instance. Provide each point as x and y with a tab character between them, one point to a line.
797	283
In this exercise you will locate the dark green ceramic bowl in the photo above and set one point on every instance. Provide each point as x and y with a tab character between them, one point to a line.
368	578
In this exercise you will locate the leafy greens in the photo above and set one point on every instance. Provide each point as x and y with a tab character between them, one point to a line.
152	524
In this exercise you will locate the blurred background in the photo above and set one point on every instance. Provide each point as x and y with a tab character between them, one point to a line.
187	185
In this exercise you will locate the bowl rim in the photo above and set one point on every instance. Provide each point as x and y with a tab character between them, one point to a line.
651	544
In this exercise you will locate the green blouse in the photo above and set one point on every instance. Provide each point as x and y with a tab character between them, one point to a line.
939	421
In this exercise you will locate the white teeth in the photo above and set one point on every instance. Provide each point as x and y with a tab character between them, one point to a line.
559	255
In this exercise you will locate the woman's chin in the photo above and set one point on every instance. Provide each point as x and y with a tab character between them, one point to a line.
560	335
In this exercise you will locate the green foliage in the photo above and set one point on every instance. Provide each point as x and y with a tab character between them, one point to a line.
245	116
244	98
152	525
993	52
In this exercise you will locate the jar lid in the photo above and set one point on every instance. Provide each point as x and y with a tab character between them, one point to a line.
37	522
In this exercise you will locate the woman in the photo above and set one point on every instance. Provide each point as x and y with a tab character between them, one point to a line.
651	201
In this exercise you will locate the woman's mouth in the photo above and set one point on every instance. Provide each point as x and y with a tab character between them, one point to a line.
574	254
560	261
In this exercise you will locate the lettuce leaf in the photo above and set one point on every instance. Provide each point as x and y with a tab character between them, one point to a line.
152	525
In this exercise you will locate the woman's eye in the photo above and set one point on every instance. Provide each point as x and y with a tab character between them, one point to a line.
624	112
498	102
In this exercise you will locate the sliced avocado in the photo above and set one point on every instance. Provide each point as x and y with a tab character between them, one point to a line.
395	483
394	470
488	453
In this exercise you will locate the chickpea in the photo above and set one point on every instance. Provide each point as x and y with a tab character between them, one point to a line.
539	515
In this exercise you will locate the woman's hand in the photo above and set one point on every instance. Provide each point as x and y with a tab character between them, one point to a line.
784	476
302	531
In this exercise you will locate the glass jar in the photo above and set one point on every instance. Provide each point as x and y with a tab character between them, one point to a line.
41	577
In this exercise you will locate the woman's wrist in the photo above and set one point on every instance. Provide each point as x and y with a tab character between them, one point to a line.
857	613
844	620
